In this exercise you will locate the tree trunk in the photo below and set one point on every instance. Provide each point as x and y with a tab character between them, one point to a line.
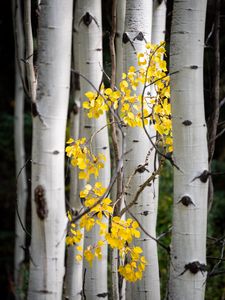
49	124
74	269
188	256
90	49
158	21
20	234
138	20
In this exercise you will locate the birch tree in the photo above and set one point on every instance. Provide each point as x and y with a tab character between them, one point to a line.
20	234
188	256
138	24
74	268
90	65
49	123
158	21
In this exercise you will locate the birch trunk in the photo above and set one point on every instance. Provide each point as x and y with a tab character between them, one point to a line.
49	124
74	268
158	21
188	256
138	20
20	234
120	23
90	49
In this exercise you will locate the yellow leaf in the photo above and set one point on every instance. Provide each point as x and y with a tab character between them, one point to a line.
79	257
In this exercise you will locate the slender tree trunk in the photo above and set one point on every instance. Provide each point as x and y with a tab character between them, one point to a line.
74	268
138	20
215	111
120	23
90	49
49	124
188	256
158	21
20	234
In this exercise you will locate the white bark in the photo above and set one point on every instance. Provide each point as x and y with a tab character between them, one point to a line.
74	269
158	21
90	49
120	23
48	200
190	150
19	147
138	19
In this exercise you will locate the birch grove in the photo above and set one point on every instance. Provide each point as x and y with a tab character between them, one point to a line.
188	256
122	128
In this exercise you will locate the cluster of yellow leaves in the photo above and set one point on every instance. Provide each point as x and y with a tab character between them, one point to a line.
142	96
121	235
141	99
81	157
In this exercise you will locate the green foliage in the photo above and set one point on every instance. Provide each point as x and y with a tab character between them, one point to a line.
164	222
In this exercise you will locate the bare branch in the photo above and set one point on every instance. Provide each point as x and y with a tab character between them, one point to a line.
150	236
141	188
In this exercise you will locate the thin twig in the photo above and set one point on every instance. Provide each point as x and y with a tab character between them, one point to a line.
150	236
141	188
16	203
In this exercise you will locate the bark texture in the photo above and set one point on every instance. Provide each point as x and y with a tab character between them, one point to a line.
188	256
48	147
90	65
74	269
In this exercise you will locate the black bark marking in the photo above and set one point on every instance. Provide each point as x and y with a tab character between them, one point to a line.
87	19
55	152
135	141
203	177
187	122
87	126
186	200
41	204
104	148
99	49
102	295
194	267
145	213
125	38
194	67
139	36
141	169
